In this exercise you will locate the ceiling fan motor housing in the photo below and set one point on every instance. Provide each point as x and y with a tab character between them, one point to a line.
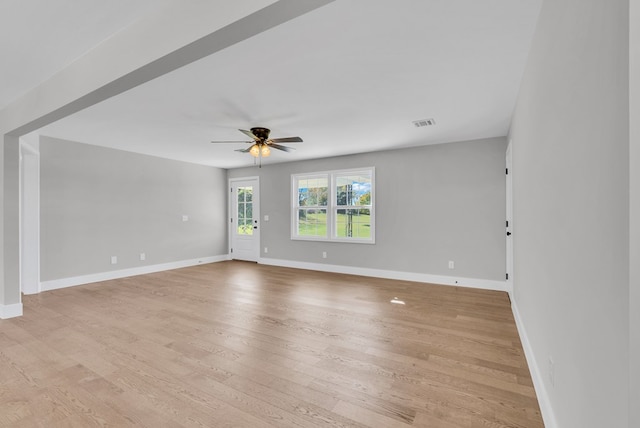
261	133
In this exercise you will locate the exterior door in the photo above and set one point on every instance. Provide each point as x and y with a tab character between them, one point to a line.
244	219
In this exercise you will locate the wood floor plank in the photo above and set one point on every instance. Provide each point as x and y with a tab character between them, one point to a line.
239	344
368	417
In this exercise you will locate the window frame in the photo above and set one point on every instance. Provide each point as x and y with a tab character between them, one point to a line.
332	207
295	179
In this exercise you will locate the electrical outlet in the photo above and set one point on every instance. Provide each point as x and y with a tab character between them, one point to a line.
451	264
143	256
324	254
266	250
185	217
114	260
552	372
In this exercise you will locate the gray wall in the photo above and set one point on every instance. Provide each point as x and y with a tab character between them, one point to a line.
571	208
98	202
433	204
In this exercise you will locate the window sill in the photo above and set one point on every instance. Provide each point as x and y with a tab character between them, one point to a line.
336	240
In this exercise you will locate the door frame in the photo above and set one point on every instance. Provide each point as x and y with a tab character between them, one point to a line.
509	217
256	213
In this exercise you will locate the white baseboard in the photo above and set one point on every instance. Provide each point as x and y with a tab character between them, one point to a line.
105	276
484	284
548	416
10	311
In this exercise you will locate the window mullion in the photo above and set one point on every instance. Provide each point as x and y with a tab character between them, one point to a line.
331	219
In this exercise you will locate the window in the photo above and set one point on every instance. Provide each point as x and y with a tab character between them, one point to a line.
245	211
334	206
311	211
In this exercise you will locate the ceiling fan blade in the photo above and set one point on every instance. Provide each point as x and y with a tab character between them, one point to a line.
249	134
243	150
228	142
279	147
286	140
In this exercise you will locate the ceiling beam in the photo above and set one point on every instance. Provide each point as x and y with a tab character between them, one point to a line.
171	38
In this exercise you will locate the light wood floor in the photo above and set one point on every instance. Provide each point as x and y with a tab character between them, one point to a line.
245	345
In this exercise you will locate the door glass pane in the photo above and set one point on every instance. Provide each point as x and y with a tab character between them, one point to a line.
245	211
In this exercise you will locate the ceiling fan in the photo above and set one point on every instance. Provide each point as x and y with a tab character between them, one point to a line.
261	144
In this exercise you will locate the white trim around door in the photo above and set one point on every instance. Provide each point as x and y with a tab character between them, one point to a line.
509	217
244	218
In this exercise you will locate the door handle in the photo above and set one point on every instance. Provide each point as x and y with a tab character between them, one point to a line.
255	227
508	233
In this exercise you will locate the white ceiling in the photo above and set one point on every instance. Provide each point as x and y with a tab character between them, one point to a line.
349	77
40	37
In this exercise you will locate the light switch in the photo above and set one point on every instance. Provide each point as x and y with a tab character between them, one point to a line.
185	217
266	217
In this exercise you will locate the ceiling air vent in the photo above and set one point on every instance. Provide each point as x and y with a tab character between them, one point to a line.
424	122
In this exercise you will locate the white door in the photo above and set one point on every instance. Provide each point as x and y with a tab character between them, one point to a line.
244	219
509	222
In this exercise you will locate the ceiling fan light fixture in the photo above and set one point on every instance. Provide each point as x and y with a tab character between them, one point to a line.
261	144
